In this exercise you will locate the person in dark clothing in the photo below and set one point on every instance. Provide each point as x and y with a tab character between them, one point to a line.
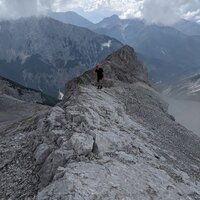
100	76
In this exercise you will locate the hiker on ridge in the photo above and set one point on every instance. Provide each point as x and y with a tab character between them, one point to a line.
100	76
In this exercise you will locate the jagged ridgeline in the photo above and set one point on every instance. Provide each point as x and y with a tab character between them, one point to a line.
112	144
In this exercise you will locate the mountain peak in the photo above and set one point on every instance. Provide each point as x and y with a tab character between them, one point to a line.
122	65
114	16
108	20
125	53
72	17
125	66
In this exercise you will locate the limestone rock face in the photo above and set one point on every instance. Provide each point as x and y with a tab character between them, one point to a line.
114	143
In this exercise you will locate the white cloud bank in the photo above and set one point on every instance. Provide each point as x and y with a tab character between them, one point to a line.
154	11
10	9
170	11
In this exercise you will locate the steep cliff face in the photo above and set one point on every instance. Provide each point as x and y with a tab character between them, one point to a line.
114	143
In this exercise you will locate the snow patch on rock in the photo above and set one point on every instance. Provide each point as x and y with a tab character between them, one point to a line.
106	45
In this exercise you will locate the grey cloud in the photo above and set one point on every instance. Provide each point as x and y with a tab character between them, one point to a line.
154	11
57	4
170	11
192	10
11	9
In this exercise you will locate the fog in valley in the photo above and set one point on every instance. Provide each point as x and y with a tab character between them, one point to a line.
186	112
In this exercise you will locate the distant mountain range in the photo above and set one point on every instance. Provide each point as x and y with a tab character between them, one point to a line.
72	18
168	52
188	27
43	53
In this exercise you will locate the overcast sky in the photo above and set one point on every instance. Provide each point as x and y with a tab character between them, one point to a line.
154	11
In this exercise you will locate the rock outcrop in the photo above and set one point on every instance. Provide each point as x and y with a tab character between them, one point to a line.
114	143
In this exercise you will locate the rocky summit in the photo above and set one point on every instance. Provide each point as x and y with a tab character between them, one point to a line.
109	144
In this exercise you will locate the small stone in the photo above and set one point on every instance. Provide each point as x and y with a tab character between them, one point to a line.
81	143
41	153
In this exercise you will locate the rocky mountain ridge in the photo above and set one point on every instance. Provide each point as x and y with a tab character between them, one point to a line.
114	143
